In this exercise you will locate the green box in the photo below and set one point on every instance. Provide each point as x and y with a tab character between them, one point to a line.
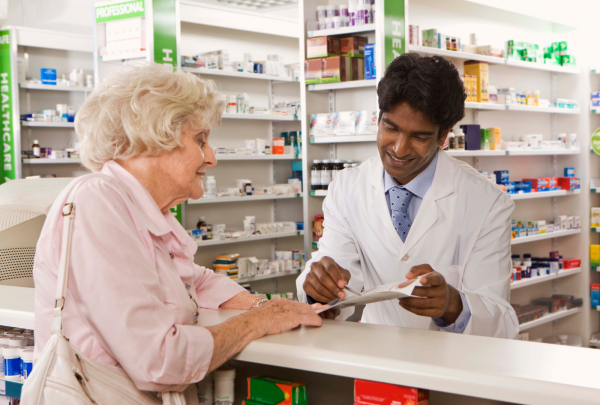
485	139
510	43
563	48
555	47
567	60
251	402
275	391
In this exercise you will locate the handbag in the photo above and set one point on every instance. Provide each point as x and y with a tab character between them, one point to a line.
63	375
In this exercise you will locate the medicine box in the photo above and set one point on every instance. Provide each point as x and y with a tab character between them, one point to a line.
353	46
344	123
595	255
495	137
472	136
596	95
595	221
321	125
377	393
595	296
370	69
563	221
320	47
336	69
269	390
501	176
567	183
481	70
313	69
48	76
569	172
358	69
567	60
366	123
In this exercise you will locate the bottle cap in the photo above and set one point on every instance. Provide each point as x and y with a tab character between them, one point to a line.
316	161
224	373
27	355
327	161
35	141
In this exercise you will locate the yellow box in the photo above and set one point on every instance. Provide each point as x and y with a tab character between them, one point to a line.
482	72
473	80
595	255
495	139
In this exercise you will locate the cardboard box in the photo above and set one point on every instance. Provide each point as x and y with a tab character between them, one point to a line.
472	136
568	60
501	177
366	123
595	255
562	221
269	390
353	46
495	138
595	295
481	71
376	393
568	183
344	123
320	47
321	125
336	69
313	71
370	69
571	264
358	69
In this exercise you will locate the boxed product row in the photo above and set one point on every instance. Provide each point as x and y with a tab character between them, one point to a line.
532	267
48	76
231	61
477	138
546	305
16	353
595	101
48	153
356	12
535	185
531	228
557	53
322	172
249	228
240	104
244	187
345	123
63	113
234	266
288	143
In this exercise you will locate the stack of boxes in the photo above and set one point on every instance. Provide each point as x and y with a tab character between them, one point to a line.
534	185
331	59
344	123
595	103
556	54
275	391
226	265
481	72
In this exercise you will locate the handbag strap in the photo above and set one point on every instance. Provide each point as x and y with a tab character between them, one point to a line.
68	213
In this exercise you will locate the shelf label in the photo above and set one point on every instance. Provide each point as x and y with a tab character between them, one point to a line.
596	141
8	169
164	20
395	30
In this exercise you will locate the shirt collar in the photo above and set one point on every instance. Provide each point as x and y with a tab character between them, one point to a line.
419	185
157	222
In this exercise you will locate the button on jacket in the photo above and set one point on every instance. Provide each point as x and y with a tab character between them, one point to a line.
127	302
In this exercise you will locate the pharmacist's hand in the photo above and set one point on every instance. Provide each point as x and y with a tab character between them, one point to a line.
440	299
281	315
331	314
326	280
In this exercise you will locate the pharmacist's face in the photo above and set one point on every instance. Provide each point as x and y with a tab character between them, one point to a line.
407	142
185	166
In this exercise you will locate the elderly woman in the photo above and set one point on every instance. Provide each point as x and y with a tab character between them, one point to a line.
133	288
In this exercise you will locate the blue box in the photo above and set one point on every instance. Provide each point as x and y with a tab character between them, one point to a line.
370	69
472	136
595	299
596	94
523	187
511	188
569	172
501	177
48	76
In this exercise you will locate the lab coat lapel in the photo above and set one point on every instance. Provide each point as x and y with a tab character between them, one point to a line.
379	204
442	186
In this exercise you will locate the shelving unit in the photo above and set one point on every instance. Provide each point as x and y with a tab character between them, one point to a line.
249	198
244	280
553	235
242	75
525	196
257	157
357	29
261	117
46	161
35	86
48	124
214	242
542	279
548	318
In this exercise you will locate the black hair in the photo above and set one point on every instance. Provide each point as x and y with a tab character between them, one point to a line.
431	85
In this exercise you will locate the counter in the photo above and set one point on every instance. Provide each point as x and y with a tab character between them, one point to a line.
495	369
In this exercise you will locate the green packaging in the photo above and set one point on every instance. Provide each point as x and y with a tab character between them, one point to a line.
563	48
275	391
485	139
555	47
251	402
567	60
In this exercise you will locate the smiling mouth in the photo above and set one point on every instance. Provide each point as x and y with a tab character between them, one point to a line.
395	159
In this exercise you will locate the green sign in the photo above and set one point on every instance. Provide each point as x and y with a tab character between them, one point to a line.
178	211
120	11
164	16
596	141
8	170
394	23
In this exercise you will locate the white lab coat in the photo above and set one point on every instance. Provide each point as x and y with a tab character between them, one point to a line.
462	230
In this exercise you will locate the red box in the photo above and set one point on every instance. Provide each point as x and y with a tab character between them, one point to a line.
571	264
541	184
376	393
552	183
568	183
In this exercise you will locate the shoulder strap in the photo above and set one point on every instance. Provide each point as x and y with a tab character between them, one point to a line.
68	213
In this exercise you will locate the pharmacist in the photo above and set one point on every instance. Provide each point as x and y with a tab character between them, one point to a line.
414	210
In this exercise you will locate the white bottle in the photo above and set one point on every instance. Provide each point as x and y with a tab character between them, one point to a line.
36	149
211	187
205	390
224	386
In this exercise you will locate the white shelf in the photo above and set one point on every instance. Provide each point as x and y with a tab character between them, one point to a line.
17	307
46	161
343	139
127	56
542	152
261	277
484	106
257	157
226	73
54	40
243	199
262	117
35	86
550	110
342	31
543	194
541	66
467	153
542	279
535	238
548	318
354	84
214	242
48	124
455	54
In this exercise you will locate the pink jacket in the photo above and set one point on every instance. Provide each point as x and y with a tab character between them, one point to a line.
127	302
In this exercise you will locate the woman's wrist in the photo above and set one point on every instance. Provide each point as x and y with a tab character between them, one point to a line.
243	300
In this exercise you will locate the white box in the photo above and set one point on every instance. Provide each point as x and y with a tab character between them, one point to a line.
366	123
344	123
514	145
533	141
562	221
570	222
576	221
321	125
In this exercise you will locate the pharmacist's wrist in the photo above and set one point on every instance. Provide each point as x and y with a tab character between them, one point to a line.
455	306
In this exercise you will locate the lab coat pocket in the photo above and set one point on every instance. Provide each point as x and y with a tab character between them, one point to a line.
453	276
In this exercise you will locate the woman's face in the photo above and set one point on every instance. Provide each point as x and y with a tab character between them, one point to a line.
185	166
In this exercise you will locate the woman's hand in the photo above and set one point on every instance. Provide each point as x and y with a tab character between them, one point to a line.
281	315
242	300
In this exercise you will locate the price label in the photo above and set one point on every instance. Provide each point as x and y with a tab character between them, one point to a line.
2	387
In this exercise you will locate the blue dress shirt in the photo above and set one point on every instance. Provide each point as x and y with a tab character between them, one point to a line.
419	187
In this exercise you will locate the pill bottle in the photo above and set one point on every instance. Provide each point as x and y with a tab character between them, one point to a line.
201	225
451	140
211	187
553	266
205	390
26	363
19	341
321	13
460	139
224	386
12	363
534	270
560	262
572	141
325	174
36	149
315	175
336	167
248	189
516	259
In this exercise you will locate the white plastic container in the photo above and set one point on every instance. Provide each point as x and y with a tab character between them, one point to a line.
224	386
572	141
17	341
12	364
1	362
205	390
211	187
26	363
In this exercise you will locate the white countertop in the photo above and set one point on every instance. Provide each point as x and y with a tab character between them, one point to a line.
497	369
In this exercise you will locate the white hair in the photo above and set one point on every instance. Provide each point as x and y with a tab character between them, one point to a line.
141	111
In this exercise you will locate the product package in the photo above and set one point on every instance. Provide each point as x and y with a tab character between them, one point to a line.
370	69
48	76
376	393
358	69
313	71
595	296
481	71
353	46
344	123
366	123
274	391
336	69
495	138
320	47
595	256
472	136
321	125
